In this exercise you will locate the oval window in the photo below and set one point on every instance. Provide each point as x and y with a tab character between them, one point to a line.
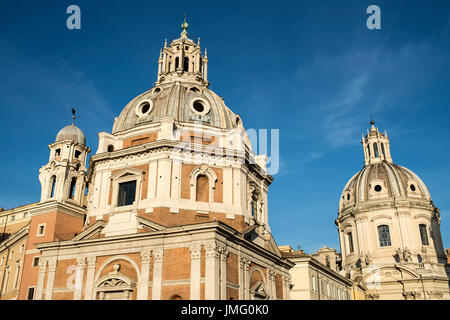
413	187
198	106
145	107
377	188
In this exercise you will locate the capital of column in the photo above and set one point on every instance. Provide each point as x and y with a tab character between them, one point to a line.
158	255
212	249
196	251
91	262
42	265
52	265
244	263
146	254
81	262
272	274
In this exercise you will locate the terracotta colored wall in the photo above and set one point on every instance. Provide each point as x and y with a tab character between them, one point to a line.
176	264
182	290
140	139
233	268
232	294
279	286
163	216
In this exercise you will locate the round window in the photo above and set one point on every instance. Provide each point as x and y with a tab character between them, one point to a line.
413	187
145	107
377	188
198	106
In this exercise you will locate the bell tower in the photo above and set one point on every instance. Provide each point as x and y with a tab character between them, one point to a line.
376	146
63	177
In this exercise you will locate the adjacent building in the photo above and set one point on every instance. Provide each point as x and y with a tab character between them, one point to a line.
316	276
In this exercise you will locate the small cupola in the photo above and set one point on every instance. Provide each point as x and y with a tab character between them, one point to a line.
375	146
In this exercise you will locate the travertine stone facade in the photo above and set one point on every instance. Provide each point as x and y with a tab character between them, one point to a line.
389	229
175	208
312	279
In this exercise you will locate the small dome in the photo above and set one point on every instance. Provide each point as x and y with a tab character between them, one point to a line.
73	133
383	181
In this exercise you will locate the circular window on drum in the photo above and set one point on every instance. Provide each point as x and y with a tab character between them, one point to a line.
199	106
144	108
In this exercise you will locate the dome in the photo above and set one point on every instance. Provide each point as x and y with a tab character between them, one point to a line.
184	101
73	133
383	181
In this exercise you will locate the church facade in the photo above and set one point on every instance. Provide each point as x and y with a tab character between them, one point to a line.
389	229
173	204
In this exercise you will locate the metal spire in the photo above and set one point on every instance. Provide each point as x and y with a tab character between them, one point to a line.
184	26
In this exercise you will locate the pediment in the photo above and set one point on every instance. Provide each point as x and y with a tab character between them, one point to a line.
126	172
91	232
149	225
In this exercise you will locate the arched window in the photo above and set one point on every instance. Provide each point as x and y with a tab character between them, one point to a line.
384	236
52	183
73	183
176	297
327	261
424	234
375	150
368	150
202	192
110	148
186	64
382	150
177	62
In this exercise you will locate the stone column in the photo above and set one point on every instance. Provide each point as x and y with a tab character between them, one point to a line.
286	287
157	273
212	271
90	276
196	251
272	286
145	271
247	279
241	278
81	264
40	279
223	273
51	278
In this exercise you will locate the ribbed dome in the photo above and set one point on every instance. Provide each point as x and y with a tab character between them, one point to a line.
186	102
73	133
380	181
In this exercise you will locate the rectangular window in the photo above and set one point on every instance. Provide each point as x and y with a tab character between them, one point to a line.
350	242
35	261
41	230
127	193
57	152
424	234
77	154
384	236
13	218
30	293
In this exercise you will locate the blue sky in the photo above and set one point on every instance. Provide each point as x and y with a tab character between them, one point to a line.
308	68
